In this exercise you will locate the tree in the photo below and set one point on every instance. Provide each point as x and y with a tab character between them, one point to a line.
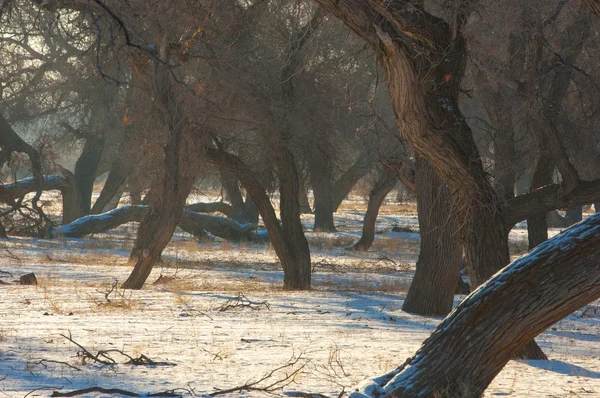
498	319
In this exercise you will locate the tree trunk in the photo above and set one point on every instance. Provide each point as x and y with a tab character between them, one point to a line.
112	187
440	257
257	193
85	172
157	227
382	187
470	347
321	182
344	184
537	225
249	213
232	189
424	85
298	277
303	199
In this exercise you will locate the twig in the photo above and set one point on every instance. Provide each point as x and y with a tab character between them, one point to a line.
42	360
7	273
40	389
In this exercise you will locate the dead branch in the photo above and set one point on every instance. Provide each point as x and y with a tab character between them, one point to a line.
264	384
42	362
241	302
167	393
103	356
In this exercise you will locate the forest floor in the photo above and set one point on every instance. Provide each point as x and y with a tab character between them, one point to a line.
213	316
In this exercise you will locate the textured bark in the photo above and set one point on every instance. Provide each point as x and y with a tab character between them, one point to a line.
440	257
504	149
382	187
423	59
117	176
496	321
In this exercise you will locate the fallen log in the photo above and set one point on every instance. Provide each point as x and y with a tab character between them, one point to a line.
192	222
10	193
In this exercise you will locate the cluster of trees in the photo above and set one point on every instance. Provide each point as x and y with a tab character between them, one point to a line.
489	112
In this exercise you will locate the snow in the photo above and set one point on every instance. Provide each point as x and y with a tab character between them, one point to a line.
349	328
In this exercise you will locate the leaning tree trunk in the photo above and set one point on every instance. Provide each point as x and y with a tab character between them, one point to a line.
166	205
257	193
382	187
470	347
112	187
423	80
440	257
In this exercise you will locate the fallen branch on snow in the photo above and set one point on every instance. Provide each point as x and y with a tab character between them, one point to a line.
103	356
167	393
267	385
241	302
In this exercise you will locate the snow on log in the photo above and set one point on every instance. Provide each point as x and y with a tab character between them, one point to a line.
472	345
190	222
16	190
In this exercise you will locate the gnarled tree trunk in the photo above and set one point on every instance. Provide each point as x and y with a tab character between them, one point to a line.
423	80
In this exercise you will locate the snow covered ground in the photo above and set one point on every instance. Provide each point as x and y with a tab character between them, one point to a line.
348	328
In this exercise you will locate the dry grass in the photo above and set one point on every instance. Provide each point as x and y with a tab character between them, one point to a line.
407	208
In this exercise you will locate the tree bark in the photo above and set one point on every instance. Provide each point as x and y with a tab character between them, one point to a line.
495	322
382	187
440	256
298	277
179	171
423	59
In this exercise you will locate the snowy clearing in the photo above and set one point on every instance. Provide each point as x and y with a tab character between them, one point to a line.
348	328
